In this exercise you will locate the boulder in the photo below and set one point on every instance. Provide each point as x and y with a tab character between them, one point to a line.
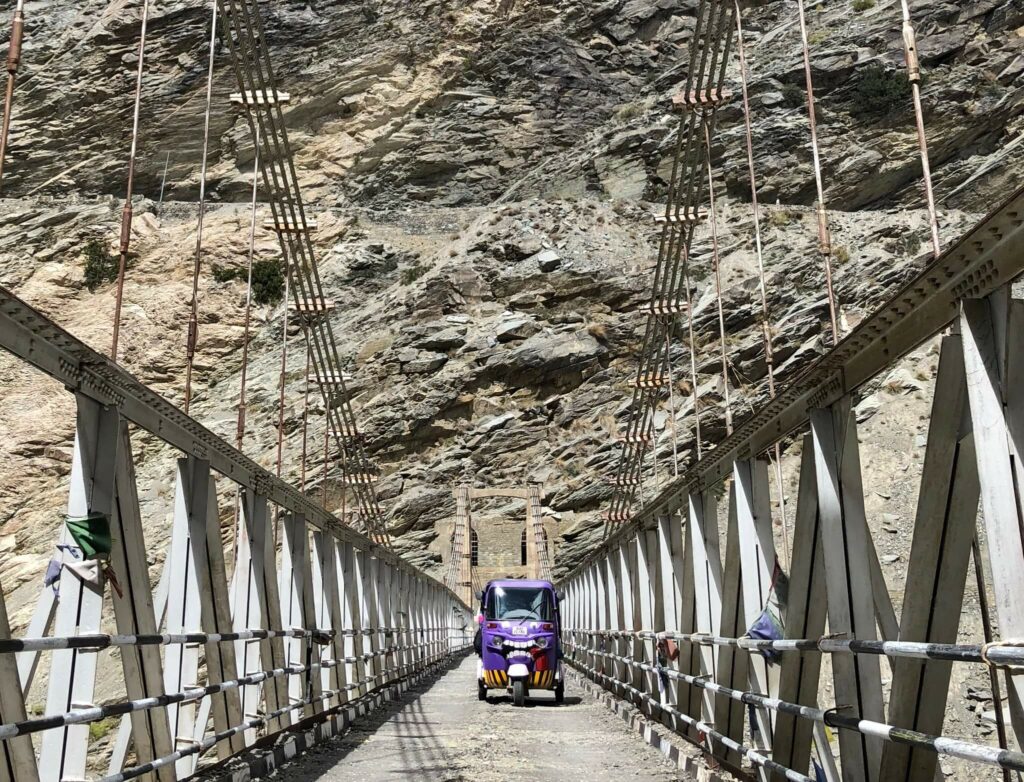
419	362
548	260
519	328
445	339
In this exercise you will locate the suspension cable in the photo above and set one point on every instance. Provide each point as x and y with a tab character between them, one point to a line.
305	417
240	436
126	213
13	61
708	60
766	328
717	261
193	318
824	239
695	390
672	401
327	458
914	75
282	380
242	386
251	62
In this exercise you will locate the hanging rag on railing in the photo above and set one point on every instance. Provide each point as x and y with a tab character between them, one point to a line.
668	650
52	577
90	557
770	624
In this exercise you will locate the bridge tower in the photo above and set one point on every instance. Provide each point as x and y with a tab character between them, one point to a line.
465	572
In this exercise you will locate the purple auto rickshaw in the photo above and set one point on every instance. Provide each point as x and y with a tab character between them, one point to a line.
519	640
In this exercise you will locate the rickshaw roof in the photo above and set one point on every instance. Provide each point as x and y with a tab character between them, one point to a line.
520	583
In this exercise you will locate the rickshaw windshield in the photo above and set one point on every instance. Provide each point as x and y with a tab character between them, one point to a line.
520	603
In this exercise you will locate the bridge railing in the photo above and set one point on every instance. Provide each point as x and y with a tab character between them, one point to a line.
689	613
287	619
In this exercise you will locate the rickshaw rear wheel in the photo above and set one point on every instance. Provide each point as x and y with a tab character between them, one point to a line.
519	692
560	692
481	691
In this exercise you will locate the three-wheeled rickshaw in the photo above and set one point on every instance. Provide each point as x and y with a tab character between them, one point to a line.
519	640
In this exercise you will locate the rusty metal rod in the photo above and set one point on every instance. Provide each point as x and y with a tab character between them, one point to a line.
323	473
693	358
766	329
824	239
13	61
243	382
716	257
305	417
193	318
672	397
281	380
242	388
126	213
914	76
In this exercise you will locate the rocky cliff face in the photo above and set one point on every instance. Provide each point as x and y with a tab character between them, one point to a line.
485	186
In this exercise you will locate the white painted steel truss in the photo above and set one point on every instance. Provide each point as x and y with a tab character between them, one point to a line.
687	659
313	619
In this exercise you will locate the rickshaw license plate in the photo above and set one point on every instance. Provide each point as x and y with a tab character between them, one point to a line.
520	631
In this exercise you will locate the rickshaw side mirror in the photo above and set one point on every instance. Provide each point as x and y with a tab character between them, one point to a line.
560	595
479	595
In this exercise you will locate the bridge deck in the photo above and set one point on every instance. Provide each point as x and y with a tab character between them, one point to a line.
440	731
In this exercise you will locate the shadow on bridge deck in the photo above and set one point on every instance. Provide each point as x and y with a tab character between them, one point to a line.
440	731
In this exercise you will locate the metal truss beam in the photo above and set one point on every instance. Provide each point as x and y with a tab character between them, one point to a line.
34	338
987	257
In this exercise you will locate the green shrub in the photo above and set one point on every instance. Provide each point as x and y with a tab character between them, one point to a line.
840	253
879	91
410	274
863	5
780	218
101	728
227	273
267	280
100	265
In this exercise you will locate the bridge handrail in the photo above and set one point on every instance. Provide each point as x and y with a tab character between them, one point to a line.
999	654
942	745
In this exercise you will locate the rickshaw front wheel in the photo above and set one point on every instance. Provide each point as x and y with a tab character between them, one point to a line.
481	691
560	692
518	692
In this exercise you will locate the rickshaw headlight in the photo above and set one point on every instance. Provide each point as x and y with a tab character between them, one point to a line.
541	643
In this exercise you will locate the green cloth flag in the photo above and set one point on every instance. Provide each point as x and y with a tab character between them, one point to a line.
91	534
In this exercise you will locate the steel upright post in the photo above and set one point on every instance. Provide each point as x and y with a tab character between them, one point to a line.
759	567
329	614
63	750
944	528
805	618
350	580
17	758
992	330
134	613
846	541
707	579
731	668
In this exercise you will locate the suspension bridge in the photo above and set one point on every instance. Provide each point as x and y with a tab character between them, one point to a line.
736	647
